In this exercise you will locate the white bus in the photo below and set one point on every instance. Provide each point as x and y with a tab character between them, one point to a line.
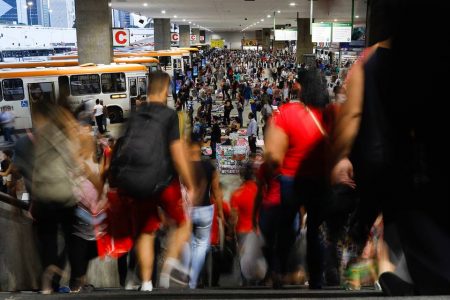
115	84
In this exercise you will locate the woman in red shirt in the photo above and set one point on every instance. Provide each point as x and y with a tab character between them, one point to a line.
295	147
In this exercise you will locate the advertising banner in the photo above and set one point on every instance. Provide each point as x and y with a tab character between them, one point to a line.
342	32
217	43
321	32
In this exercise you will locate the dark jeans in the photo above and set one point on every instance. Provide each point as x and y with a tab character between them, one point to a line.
82	251
49	219
99	121
312	194
226	118
241	119
213	148
225	92
252	144
269	224
7	132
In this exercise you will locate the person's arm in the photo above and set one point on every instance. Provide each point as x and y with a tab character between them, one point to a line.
276	146
7	171
257	204
349	118
182	165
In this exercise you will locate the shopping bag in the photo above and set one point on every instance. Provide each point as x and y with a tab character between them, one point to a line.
253	263
117	239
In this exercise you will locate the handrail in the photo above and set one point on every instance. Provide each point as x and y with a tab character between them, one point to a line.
13	201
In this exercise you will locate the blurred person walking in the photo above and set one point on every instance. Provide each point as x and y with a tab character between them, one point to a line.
98	114
54	201
388	144
148	178
295	146
252	132
202	211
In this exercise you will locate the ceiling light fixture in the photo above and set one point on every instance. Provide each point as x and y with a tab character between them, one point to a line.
335	20
109	4
145	4
279	11
292	4
357	17
163	11
175	17
268	16
184	20
262	20
257	22
190	22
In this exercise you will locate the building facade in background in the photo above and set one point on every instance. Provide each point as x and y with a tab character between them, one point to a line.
62	13
121	19
13	12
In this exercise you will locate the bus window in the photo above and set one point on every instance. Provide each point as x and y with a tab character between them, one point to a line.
142	85
13	89
85	84
133	87
64	87
1	91
41	92
113	83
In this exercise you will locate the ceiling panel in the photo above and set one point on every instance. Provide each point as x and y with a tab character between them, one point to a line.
229	15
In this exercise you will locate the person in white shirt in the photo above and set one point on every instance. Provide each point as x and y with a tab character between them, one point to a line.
98	114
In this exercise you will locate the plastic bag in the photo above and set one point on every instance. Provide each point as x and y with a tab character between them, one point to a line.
253	263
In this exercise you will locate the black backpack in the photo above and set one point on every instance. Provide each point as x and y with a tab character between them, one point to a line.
141	164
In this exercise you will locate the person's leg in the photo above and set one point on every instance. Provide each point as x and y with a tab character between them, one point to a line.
172	203
7	134
99	120
146	256
78	256
202	218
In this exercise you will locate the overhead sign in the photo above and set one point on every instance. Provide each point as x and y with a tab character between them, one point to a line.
174	37
202	36
121	37
285	35
342	32
193	37
249	42
217	43
321	32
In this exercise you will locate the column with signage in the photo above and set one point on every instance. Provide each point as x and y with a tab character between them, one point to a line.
162	34
202	39
195	36
94	36
304	43
185	36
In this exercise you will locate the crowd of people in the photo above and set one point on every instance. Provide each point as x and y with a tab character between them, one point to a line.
336	196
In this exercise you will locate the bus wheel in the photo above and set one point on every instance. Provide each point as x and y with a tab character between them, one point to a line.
115	115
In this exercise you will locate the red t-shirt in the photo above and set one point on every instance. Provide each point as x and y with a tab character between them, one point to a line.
215	224
243	201
305	139
271	192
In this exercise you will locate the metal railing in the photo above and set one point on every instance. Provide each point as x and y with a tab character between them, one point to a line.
13	201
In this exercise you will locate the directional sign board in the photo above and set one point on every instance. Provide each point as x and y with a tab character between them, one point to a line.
121	37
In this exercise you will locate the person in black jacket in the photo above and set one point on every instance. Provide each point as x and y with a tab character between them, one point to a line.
216	135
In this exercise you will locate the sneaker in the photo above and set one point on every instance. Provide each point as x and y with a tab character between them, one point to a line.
131	282
177	277
146	286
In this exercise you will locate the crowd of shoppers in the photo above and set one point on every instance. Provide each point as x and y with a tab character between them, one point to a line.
332	175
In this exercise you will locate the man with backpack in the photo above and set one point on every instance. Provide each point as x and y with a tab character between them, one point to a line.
146	165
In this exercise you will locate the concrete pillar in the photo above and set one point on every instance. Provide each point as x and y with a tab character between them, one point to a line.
304	39
196	32
162	34
185	36
266	38
94	35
